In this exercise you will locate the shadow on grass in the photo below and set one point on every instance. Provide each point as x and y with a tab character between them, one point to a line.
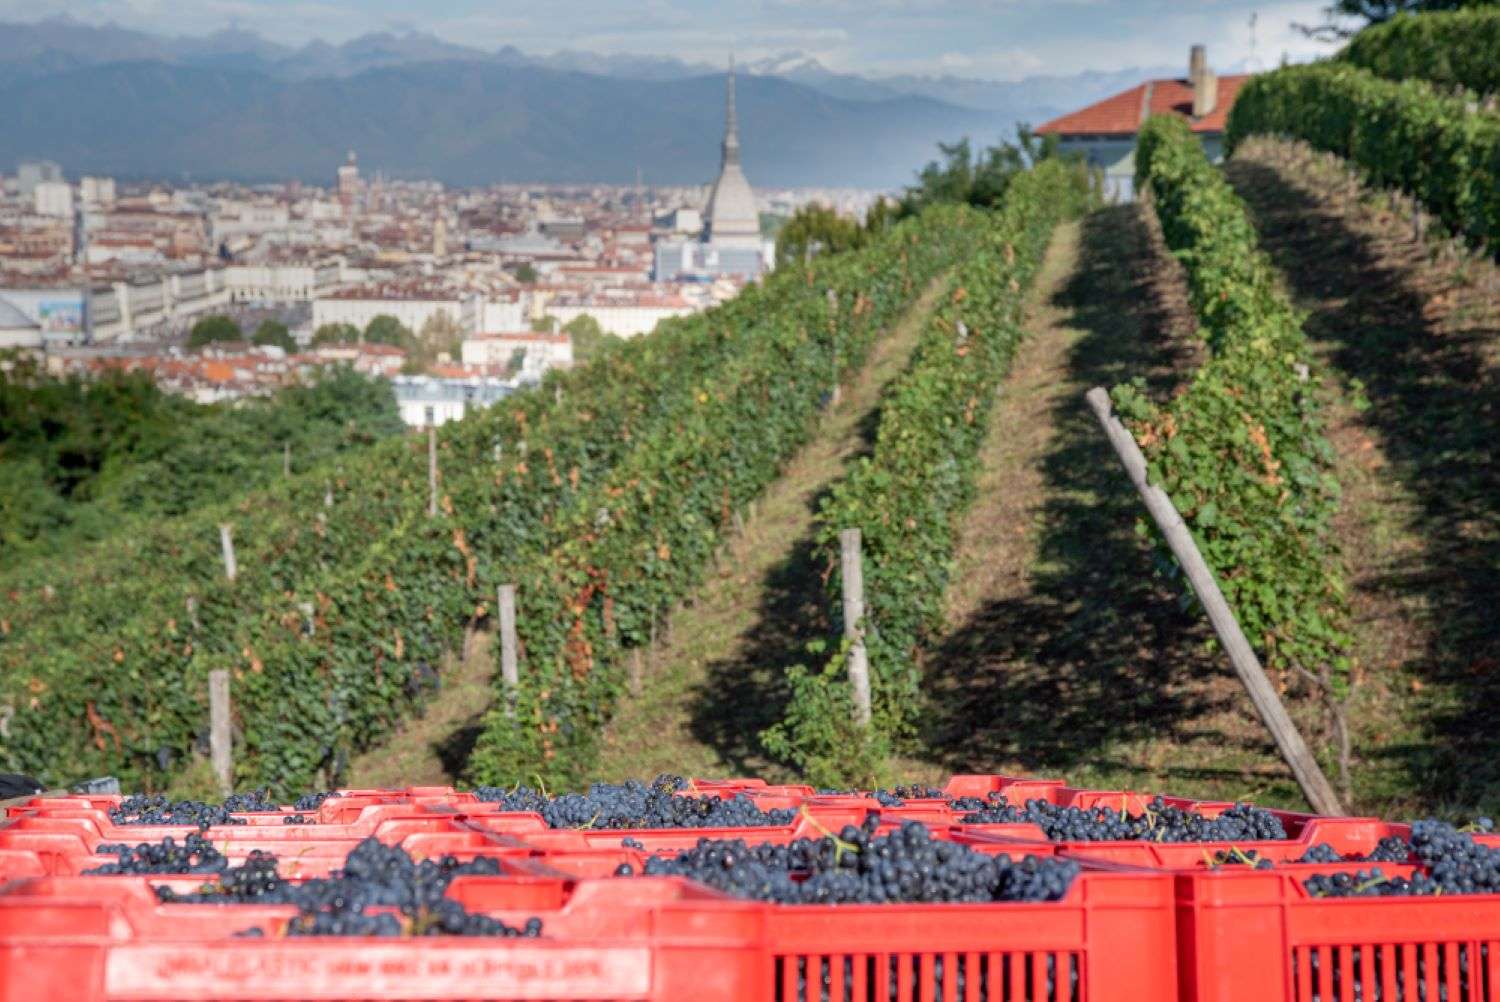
1436	412
1098	652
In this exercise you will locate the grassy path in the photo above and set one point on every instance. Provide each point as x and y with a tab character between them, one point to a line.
714	683
1410	334
1067	657
430	750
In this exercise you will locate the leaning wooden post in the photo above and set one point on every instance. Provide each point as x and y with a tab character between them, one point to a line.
226	543
1267	703
432	471
509	675
220	734
854	623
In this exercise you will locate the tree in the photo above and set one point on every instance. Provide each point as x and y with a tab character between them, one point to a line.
274	332
213	328
981	180
589	339
386	329
1342	18
441	334
880	217
544	325
525	273
816	229
335	334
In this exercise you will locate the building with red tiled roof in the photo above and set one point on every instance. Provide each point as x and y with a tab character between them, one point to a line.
1105	131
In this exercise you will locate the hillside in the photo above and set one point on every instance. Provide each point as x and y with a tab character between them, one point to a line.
464	123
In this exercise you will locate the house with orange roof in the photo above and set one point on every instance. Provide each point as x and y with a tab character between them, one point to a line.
1105	131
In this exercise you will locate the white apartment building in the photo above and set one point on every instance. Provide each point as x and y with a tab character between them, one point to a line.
429	400
53	198
505	312
541	350
359	307
97	191
622	316
281	283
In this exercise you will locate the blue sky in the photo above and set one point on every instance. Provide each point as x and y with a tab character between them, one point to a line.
996	39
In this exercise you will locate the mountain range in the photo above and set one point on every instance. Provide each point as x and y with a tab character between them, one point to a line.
236	105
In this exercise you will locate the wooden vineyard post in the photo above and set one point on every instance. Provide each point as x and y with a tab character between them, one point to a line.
432	471
1267	703
226	543
220	733
833	344
852	567
509	674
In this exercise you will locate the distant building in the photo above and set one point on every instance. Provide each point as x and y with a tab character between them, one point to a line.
542	349
428	400
1105	132
17	330
730	243
97	191
29	174
53	198
350	188
621	315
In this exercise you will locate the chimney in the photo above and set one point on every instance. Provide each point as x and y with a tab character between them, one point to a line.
1204	82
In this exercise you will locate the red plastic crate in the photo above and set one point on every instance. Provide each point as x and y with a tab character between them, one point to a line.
602	940
1258	936
1348	836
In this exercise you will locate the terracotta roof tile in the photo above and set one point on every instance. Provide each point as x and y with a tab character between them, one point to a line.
1121	114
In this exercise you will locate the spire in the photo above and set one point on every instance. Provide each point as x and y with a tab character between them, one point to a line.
731	121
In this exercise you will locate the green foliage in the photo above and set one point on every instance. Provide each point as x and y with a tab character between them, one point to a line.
589	339
100	456
1453	50
440	335
1336	15
734	404
386	329
816	229
213	328
1242	451
1404	134
771	224
335	334
349	593
526	273
908	496
818	735
977	179
274	332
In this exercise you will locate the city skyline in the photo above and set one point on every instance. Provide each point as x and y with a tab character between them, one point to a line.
984	39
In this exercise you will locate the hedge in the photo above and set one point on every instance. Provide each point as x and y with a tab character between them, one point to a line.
1406	135
909	495
341	613
1450	49
1242	450
637	543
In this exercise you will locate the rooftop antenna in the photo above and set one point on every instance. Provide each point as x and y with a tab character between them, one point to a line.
1253	64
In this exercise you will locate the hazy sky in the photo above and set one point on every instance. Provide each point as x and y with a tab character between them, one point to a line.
999	39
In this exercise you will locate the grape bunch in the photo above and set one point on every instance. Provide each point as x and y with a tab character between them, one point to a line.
380	891
195	854
312	801
895	797
1159	822
1450	862
859	867
155	809
634	804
